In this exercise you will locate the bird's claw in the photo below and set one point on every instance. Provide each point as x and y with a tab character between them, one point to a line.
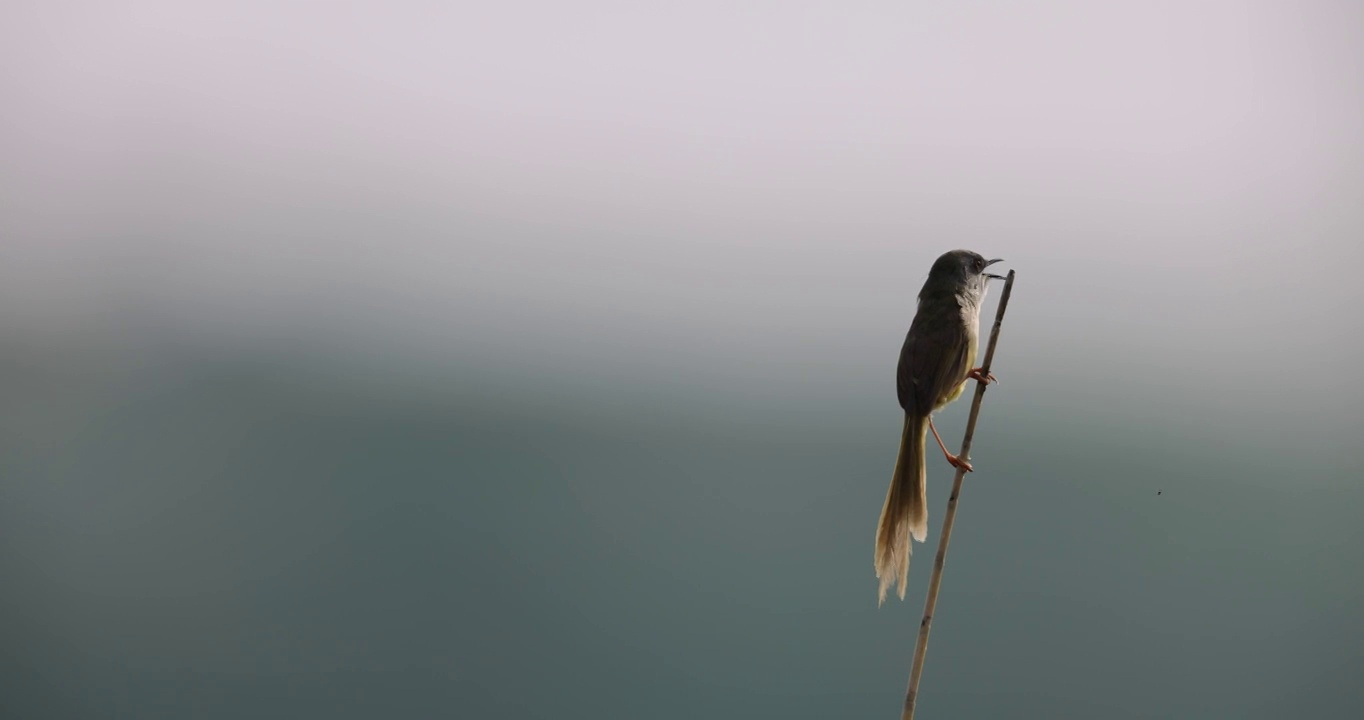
957	462
983	376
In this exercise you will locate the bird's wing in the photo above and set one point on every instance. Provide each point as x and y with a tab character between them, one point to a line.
934	359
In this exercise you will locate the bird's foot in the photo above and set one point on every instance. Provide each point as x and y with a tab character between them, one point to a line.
981	375
957	462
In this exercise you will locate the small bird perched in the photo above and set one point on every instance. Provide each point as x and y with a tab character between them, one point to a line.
935	363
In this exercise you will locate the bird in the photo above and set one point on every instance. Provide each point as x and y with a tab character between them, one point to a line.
935	363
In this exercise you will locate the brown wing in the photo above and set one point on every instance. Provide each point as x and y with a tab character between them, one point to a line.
934	358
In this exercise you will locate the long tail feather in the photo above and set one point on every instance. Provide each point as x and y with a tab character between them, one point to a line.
905	512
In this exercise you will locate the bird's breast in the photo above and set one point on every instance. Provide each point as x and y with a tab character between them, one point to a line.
971	322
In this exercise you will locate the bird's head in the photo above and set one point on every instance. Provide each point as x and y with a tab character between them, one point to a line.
961	271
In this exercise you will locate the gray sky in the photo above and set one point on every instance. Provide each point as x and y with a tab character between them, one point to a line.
709	188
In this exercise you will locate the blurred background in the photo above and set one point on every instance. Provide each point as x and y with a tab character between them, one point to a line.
529	360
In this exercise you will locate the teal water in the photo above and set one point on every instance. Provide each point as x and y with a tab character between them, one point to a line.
292	535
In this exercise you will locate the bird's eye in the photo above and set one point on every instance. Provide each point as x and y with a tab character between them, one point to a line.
978	264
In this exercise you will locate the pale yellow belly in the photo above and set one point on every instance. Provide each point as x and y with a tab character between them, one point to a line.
953	394
959	388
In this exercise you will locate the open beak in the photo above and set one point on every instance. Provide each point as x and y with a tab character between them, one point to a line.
988	263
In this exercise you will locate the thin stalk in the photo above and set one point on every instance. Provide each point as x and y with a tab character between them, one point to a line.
921	648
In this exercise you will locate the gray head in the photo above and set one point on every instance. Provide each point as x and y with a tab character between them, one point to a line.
959	272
